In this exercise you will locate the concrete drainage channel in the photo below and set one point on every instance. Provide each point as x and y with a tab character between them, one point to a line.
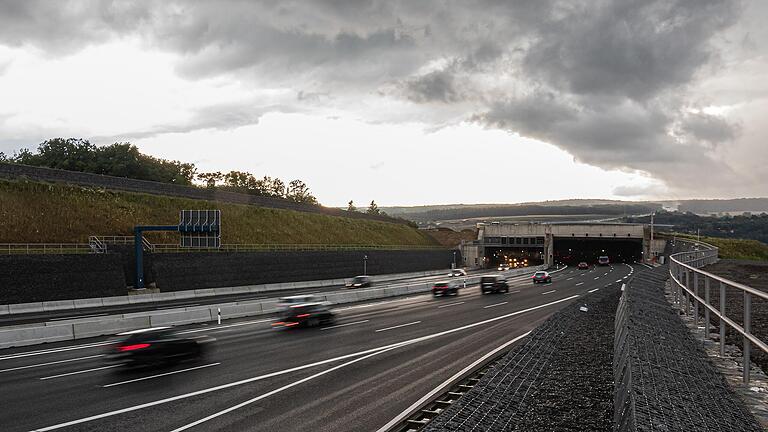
81	328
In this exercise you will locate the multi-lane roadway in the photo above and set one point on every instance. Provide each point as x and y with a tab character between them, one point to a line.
376	361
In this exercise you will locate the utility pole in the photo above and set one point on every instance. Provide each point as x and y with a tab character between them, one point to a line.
650	249
365	265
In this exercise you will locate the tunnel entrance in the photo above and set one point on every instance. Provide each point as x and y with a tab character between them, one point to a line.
575	250
514	256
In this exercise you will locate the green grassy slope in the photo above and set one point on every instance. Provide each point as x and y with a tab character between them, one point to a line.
736	248
32	212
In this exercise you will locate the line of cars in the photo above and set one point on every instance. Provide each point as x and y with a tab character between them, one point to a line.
165	345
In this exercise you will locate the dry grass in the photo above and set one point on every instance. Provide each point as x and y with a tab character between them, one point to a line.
33	212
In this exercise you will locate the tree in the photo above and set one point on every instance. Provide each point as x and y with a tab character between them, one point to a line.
210	178
240	180
373	208
3	157
351	206
299	192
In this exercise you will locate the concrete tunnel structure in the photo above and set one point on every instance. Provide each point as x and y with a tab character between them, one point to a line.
550	243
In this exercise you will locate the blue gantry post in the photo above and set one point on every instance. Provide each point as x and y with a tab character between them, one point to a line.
138	233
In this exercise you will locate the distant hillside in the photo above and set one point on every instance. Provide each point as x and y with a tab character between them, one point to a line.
574	207
442	213
755	205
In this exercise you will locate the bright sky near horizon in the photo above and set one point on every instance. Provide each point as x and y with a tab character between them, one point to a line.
407	103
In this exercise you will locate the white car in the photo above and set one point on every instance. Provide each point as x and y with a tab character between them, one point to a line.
286	302
457	273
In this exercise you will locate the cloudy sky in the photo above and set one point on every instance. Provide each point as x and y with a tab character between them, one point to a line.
407	102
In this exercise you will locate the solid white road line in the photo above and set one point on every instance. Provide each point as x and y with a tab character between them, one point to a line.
570	278
278	390
50	363
494	305
297	368
580	283
593	290
398	326
77	317
344	325
437	390
160	375
514	292
548	292
53	350
451	304
79	372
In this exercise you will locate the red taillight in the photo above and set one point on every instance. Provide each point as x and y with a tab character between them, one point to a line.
132	347
302	316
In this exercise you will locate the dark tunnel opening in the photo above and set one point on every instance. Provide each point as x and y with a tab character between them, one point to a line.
514	256
575	250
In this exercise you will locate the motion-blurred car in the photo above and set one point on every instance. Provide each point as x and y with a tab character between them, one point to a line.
457	273
286	302
445	288
583	266
493	284
541	277
603	261
360	282
156	346
305	315
502	267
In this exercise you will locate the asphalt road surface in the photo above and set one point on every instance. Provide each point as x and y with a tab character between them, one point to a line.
377	360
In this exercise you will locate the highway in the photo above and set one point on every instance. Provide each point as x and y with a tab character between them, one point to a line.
59	315
377	360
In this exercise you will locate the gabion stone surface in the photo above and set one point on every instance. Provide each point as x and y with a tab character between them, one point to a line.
560	378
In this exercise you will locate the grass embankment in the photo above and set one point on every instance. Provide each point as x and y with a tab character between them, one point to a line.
736	248
32	212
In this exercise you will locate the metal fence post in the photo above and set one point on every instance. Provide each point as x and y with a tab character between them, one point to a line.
722	322
706	308
695	302
748	330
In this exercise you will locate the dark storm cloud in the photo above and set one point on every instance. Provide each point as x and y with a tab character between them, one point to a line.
606	80
709	128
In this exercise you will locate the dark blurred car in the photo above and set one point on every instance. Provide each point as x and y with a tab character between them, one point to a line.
541	277
603	261
305	315
156	346
457	273
360	282
493	284
583	266
445	288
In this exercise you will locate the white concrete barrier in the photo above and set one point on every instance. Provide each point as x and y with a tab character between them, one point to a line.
21	308
35	335
88	303
58	305
115	301
178	318
5	310
100	328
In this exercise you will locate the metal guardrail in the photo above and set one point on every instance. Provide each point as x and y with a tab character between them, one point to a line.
290	247
43	248
101	245
685	271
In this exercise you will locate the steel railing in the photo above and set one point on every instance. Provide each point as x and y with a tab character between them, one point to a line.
290	247
44	248
687	276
